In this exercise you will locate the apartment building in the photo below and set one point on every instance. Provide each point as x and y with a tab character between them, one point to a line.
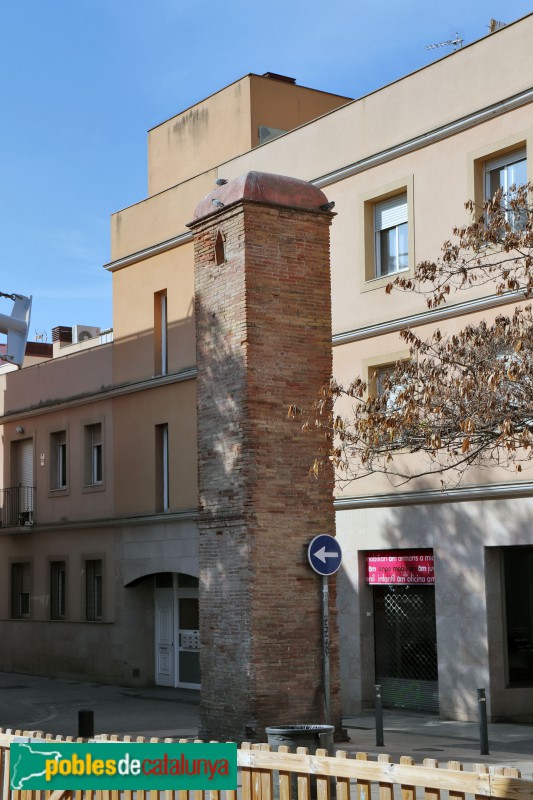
100	556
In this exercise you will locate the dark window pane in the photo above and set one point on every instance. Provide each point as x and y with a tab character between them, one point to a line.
57	589
20	590
164	580
518	568
187	581
93	590
189	617
189	667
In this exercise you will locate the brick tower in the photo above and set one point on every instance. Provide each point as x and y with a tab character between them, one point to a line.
263	328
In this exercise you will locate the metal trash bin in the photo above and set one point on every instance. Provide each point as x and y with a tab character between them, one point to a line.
311	736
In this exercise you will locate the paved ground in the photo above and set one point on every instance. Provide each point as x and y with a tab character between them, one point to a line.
424	736
51	705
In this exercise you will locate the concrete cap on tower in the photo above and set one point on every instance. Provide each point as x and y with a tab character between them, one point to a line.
265	188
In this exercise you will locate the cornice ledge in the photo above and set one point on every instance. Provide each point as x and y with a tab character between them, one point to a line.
103	394
424	139
461	494
108	522
148	252
429	316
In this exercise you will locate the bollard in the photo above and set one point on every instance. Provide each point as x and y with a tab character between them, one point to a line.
85	723
483	728
378	707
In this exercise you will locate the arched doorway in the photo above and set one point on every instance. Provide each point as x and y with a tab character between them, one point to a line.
177	635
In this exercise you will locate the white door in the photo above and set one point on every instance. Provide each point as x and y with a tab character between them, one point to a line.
164	633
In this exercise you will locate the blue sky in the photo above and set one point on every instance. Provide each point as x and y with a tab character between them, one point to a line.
81	82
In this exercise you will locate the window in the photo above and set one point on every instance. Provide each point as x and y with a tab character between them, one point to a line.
378	377
382	376
161	466
502	173
58	460
161	333
266	133
93	590
93	455
391	236
518	572
384	231
505	171
57	589
20	590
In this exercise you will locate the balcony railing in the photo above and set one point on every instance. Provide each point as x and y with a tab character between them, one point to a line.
16	509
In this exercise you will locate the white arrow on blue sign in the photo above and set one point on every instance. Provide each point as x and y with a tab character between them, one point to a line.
324	554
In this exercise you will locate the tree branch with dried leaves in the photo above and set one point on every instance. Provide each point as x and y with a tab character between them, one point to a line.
460	400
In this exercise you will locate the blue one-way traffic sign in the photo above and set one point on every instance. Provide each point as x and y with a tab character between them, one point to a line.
324	554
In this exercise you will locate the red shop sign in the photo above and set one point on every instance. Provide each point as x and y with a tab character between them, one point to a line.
406	567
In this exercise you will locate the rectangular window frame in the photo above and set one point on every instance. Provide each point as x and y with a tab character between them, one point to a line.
391	216
161	333
162	470
381	363
93	456
22	479
499	167
94	589
517	615
384	363
58	589
379	375
502	162
490	154
367	249
59	461
21	589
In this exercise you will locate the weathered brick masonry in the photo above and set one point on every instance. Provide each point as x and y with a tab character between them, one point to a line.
263	322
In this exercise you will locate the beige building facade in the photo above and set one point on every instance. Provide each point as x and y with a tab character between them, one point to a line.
99	557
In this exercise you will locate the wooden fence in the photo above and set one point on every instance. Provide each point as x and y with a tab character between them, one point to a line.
265	774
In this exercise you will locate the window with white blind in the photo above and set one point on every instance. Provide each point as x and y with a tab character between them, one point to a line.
21	580
391	236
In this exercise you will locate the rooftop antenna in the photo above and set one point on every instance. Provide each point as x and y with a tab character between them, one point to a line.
455	43
41	336
495	25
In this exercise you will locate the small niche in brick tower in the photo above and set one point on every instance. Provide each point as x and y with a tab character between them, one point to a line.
220	251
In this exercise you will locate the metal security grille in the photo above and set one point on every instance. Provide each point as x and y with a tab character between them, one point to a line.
406	646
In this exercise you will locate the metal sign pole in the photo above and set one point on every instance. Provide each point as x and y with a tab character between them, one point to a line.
325	556
325	644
